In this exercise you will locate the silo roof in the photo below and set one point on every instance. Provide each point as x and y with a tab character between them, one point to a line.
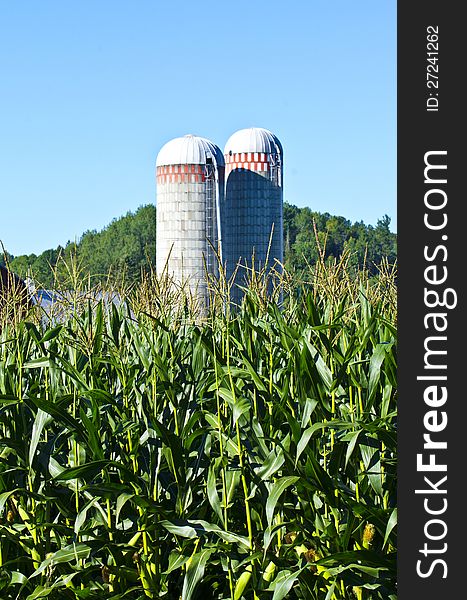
189	150
253	139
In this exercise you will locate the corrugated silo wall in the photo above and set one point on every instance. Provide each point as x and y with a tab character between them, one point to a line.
253	203
185	220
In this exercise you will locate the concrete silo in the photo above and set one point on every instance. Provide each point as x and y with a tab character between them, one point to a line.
190	189
253	204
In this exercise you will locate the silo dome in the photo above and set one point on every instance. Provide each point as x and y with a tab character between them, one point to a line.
189	150
253	139
190	189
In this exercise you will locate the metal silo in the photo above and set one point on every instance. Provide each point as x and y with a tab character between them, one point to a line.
190	189
253	204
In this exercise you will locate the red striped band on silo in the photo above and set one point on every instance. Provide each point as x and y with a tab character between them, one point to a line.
180	174
250	161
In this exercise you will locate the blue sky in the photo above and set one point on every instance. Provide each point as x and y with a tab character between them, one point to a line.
90	91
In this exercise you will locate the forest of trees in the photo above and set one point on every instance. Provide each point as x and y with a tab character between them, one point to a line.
128	245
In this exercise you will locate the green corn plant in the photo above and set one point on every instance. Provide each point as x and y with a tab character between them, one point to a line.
156	448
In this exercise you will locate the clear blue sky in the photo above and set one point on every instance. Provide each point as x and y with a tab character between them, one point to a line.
90	91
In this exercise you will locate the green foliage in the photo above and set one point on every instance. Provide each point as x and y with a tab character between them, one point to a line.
309	236
158	454
128	245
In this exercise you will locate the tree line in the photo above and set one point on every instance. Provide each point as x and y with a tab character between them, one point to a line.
128	246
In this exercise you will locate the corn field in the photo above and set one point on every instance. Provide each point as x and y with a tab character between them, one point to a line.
148	450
